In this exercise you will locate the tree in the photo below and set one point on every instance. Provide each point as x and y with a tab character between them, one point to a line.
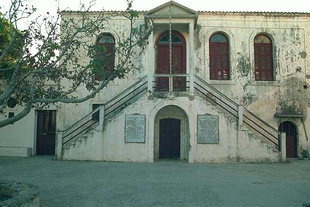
48	52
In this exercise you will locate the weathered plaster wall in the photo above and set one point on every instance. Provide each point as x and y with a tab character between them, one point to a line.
14	138
289	93
111	145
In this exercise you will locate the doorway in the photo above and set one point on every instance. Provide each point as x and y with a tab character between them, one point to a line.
177	58
171	134
46	132
291	138
169	138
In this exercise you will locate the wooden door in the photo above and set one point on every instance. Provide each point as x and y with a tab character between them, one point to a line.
291	138
169	139
46	132
178	61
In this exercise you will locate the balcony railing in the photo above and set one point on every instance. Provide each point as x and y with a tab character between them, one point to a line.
171	82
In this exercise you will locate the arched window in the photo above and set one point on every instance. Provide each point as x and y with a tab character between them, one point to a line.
219	57
263	58
105	55
177	58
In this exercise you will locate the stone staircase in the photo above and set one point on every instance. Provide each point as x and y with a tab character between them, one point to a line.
83	129
247	121
253	132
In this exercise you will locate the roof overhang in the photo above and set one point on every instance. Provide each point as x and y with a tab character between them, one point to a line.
172	10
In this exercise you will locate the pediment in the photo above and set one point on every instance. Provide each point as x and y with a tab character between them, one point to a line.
173	10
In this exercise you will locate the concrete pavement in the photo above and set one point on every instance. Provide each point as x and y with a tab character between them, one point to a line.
163	183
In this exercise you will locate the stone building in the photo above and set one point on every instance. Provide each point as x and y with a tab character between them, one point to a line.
216	87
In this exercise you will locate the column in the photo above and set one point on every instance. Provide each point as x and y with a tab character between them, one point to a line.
191	57
150	63
59	136
283	146
101	115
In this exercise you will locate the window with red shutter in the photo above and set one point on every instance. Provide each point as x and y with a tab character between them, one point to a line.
219	57
263	56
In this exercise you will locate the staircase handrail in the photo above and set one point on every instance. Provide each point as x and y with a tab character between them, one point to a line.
65	132
126	95
126	90
217	91
264	122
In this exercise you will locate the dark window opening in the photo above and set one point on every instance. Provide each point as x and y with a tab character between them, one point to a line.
11	115
96	115
12	102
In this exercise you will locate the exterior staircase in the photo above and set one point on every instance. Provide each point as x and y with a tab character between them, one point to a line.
253	130
259	127
99	116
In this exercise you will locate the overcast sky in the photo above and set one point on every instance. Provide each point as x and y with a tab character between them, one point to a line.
199	5
51	6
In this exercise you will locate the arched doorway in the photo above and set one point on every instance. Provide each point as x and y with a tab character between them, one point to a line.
291	138
171	134
178	61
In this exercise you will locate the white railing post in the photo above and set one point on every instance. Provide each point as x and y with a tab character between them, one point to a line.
150	79
283	146
101	115
59	144
170	83
240	116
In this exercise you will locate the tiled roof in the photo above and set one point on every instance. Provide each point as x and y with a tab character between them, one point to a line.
255	13
232	13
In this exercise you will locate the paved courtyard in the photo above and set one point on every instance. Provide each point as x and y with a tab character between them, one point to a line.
163	183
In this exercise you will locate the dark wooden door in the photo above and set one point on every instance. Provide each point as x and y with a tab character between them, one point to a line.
291	138
46	132
178	61
169	139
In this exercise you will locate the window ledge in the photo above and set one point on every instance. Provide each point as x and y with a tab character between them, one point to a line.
266	83
222	82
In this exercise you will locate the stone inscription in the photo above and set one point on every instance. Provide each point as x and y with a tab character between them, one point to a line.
134	128
208	129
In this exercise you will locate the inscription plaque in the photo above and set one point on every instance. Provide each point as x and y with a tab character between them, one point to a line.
207	129
134	128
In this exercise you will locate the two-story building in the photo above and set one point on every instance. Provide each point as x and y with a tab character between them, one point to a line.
212	87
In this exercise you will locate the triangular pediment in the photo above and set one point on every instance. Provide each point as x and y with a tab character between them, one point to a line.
171	9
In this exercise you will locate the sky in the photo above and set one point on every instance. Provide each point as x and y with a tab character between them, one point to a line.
198	5
51	6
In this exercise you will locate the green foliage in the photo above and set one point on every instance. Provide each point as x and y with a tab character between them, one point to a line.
11	41
243	65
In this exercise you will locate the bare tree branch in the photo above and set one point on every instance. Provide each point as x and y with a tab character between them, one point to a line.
50	51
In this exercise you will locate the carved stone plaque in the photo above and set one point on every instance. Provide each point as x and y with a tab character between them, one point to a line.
134	128
207	129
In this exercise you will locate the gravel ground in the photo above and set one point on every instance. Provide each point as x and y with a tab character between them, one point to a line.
162	183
